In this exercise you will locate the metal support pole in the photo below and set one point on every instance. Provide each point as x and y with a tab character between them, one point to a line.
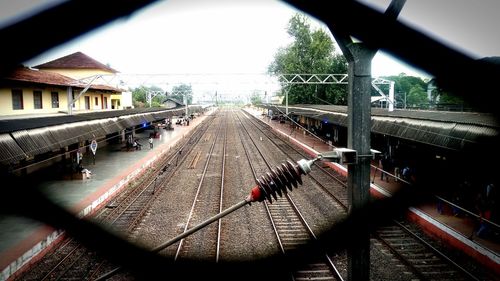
358	132
70	100
286	101
358	138
391	96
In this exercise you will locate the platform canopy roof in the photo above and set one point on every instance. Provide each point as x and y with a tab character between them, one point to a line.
23	138
451	130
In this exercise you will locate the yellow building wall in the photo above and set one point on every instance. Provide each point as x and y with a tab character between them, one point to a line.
114	102
6	107
5	101
78	73
80	104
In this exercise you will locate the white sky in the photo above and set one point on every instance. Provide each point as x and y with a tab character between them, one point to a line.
238	36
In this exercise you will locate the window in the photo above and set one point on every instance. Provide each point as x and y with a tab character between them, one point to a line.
37	99
17	99
55	99
105	103
87	102
96	99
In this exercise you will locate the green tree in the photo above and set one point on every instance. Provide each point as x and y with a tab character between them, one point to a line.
311	52
403	84
178	93
255	98
448	100
140	96
417	97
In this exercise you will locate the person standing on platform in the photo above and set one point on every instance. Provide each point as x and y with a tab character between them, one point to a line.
483	212
381	167
384	166
150	142
137	145
406	173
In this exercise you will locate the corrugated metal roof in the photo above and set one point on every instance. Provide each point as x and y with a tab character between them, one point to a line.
11	125
10	152
30	146
64	134
22	138
111	125
452	130
477	118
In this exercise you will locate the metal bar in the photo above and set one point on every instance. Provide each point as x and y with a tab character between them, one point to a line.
183	235
70	104
433	56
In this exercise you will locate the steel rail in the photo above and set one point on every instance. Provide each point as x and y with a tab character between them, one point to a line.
334	271
344	205
219	225
198	189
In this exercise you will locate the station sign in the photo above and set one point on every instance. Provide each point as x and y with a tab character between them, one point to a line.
93	146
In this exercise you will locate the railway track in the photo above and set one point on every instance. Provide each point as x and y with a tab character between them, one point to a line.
290	226
73	260
421	259
207	202
424	260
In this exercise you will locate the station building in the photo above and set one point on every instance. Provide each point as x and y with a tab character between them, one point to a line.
55	87
52	112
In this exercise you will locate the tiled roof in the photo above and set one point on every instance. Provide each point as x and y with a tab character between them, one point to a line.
105	88
76	60
24	74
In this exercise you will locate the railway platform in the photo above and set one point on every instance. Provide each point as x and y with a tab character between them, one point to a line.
457	231
22	240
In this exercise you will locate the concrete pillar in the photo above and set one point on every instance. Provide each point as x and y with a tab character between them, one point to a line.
70	100
286	101
391	96
358	138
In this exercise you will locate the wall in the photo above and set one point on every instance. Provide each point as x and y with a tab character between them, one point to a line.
28	103
78	73
118	101
125	98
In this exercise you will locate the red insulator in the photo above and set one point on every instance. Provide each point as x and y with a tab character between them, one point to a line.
287	175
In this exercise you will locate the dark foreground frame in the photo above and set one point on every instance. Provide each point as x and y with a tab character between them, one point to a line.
349	18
